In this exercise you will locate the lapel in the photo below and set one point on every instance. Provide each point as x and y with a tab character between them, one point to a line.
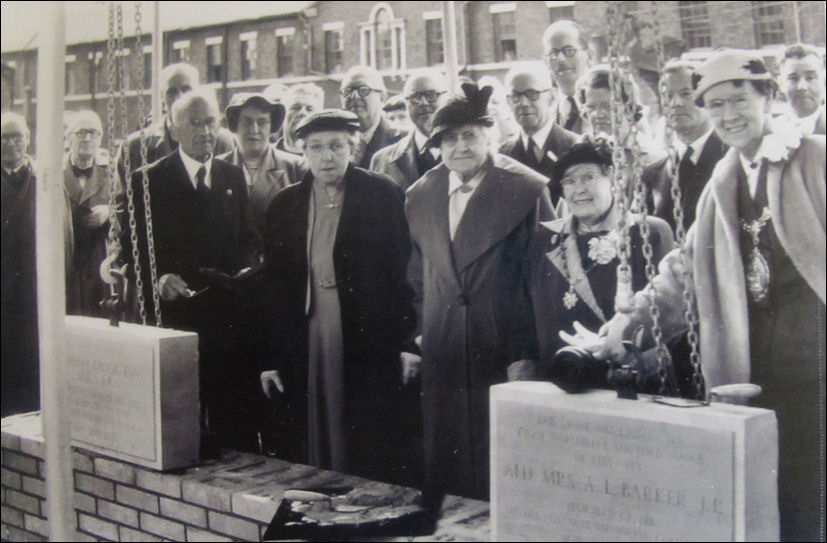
275	173
566	258
350	207
94	184
380	139
21	197
486	220
710	155
433	221
404	156
71	182
726	198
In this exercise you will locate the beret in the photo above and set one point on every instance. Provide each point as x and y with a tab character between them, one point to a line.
242	99
328	119
471	107
728	65
584	152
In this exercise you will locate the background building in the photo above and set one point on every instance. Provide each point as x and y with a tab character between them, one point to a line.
244	46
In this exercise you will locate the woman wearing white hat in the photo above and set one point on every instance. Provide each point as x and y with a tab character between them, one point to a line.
757	252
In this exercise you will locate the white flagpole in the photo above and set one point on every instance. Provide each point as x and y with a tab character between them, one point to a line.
449	42
51	281
157	61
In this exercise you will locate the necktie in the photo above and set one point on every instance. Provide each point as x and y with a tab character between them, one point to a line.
573	114
201	187
533	154
82	172
465	188
686	160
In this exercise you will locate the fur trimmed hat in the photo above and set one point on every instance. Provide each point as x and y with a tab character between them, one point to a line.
240	100
471	107
728	65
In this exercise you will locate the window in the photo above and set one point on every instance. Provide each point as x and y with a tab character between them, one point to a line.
70	85
122	70
215	59
181	51
333	47
505	36
769	23
382	40
147	68
248	54
560	10
695	24
435	48
284	51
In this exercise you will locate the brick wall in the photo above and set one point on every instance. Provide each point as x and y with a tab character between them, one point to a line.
227	499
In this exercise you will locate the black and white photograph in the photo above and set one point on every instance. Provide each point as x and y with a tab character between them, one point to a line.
413	271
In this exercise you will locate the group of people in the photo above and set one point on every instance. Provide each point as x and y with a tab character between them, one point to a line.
373	283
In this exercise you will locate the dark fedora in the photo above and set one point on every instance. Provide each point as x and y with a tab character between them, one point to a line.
470	107
257	99
328	119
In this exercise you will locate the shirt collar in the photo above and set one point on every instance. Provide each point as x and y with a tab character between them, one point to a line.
563	104
696	145
421	142
367	135
807	124
455	182
19	167
193	166
540	136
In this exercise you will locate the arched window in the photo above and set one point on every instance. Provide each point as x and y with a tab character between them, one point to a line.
383	40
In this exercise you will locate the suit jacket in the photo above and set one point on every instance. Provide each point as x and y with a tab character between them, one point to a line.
578	126
370	257
398	161
468	287
559	141
659	190
821	123
383	136
84	287
278	169
160	143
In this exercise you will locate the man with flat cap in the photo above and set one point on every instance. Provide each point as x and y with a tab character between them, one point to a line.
336	251
471	219
409	158
363	93
541	140
267	170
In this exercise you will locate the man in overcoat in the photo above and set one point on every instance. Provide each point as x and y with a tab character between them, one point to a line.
471	221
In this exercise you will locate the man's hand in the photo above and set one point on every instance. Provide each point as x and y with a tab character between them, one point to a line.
270	379
410	366
96	217
606	344
172	287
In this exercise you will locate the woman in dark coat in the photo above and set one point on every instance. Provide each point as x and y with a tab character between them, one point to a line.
336	252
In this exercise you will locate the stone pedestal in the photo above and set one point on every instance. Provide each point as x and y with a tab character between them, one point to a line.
592	467
133	392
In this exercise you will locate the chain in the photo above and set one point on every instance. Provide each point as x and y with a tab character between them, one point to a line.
150	237
113	241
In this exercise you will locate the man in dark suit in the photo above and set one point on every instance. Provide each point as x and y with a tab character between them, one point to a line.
567	55
175	80
802	80
409	158
363	92
696	143
199	219
541	140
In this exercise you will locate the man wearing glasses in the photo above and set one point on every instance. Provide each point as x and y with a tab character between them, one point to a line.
565	49
363	92
541	140
86	179
408	159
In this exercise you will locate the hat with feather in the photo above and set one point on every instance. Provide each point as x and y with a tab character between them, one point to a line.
470	107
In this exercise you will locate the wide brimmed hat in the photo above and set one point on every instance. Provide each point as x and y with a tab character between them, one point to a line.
729	65
328	119
471	107
240	100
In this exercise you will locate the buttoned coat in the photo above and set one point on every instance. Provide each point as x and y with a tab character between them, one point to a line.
559	141
467	291
370	258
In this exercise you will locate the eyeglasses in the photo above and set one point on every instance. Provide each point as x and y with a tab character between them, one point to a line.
531	94
211	122
83	132
716	108
426	96
587	178
364	91
15	138
468	137
568	51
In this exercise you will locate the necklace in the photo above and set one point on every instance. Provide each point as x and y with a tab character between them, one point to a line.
758	270
602	251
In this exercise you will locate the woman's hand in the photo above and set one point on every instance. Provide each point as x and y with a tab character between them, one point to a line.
606	344
271	379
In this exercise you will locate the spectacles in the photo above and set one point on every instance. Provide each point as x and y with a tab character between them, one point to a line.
588	178
470	137
426	96
716	108
83	132
568	51
16	138
363	91
531	94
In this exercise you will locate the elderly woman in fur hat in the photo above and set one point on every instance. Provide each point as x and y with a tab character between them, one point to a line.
471	220
757	254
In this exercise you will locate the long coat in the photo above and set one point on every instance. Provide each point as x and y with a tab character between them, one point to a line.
467	288
559	141
370	258
84	286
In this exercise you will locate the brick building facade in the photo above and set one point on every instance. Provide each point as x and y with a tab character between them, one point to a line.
317	41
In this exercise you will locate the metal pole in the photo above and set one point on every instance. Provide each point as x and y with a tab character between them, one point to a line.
157	61
449	41
51	208
797	20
